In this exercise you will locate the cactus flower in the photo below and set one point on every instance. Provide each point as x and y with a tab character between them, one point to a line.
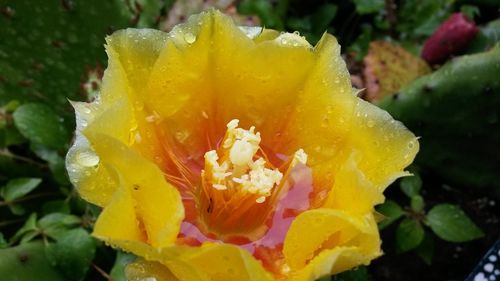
220	152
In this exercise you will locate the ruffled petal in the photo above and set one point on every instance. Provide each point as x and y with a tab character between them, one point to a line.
385	145
132	53
211	72
333	125
353	192
330	262
316	232
157	205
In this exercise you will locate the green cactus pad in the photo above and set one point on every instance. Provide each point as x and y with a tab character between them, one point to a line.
27	262
456	111
48	47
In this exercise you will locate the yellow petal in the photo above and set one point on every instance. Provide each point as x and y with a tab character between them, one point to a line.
352	192
330	262
225	262
221	262
210	72
332	125
119	221
141	270
157	204
132	53
136	51
316	231
322	115
385	146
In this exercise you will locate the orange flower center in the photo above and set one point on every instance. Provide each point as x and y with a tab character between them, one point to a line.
247	196
240	186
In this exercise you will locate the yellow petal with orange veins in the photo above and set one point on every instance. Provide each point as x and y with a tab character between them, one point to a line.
320	121
315	231
157	204
204	78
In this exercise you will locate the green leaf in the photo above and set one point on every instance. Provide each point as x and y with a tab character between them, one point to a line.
118	270
17	209
269	16
426	249
360	45
411	185
17	188
27	262
55	225
369	6
3	242
41	125
392	212
72	253
56	162
417	203
322	17
56	206
11	106
149	12
12	136
470	11
450	223
409	235
27	232
418	19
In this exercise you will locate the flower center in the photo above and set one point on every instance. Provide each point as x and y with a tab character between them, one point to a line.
240	186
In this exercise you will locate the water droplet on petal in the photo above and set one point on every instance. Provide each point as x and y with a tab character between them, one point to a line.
189	37
87	158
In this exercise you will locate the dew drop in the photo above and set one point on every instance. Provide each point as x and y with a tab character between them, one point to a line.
138	137
189	37
87	158
411	145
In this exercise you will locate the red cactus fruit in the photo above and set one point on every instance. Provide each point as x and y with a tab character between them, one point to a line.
451	37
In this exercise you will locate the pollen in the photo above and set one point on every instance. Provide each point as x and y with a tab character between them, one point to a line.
239	183
242	171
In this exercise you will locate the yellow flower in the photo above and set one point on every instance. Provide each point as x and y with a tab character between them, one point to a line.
226	153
